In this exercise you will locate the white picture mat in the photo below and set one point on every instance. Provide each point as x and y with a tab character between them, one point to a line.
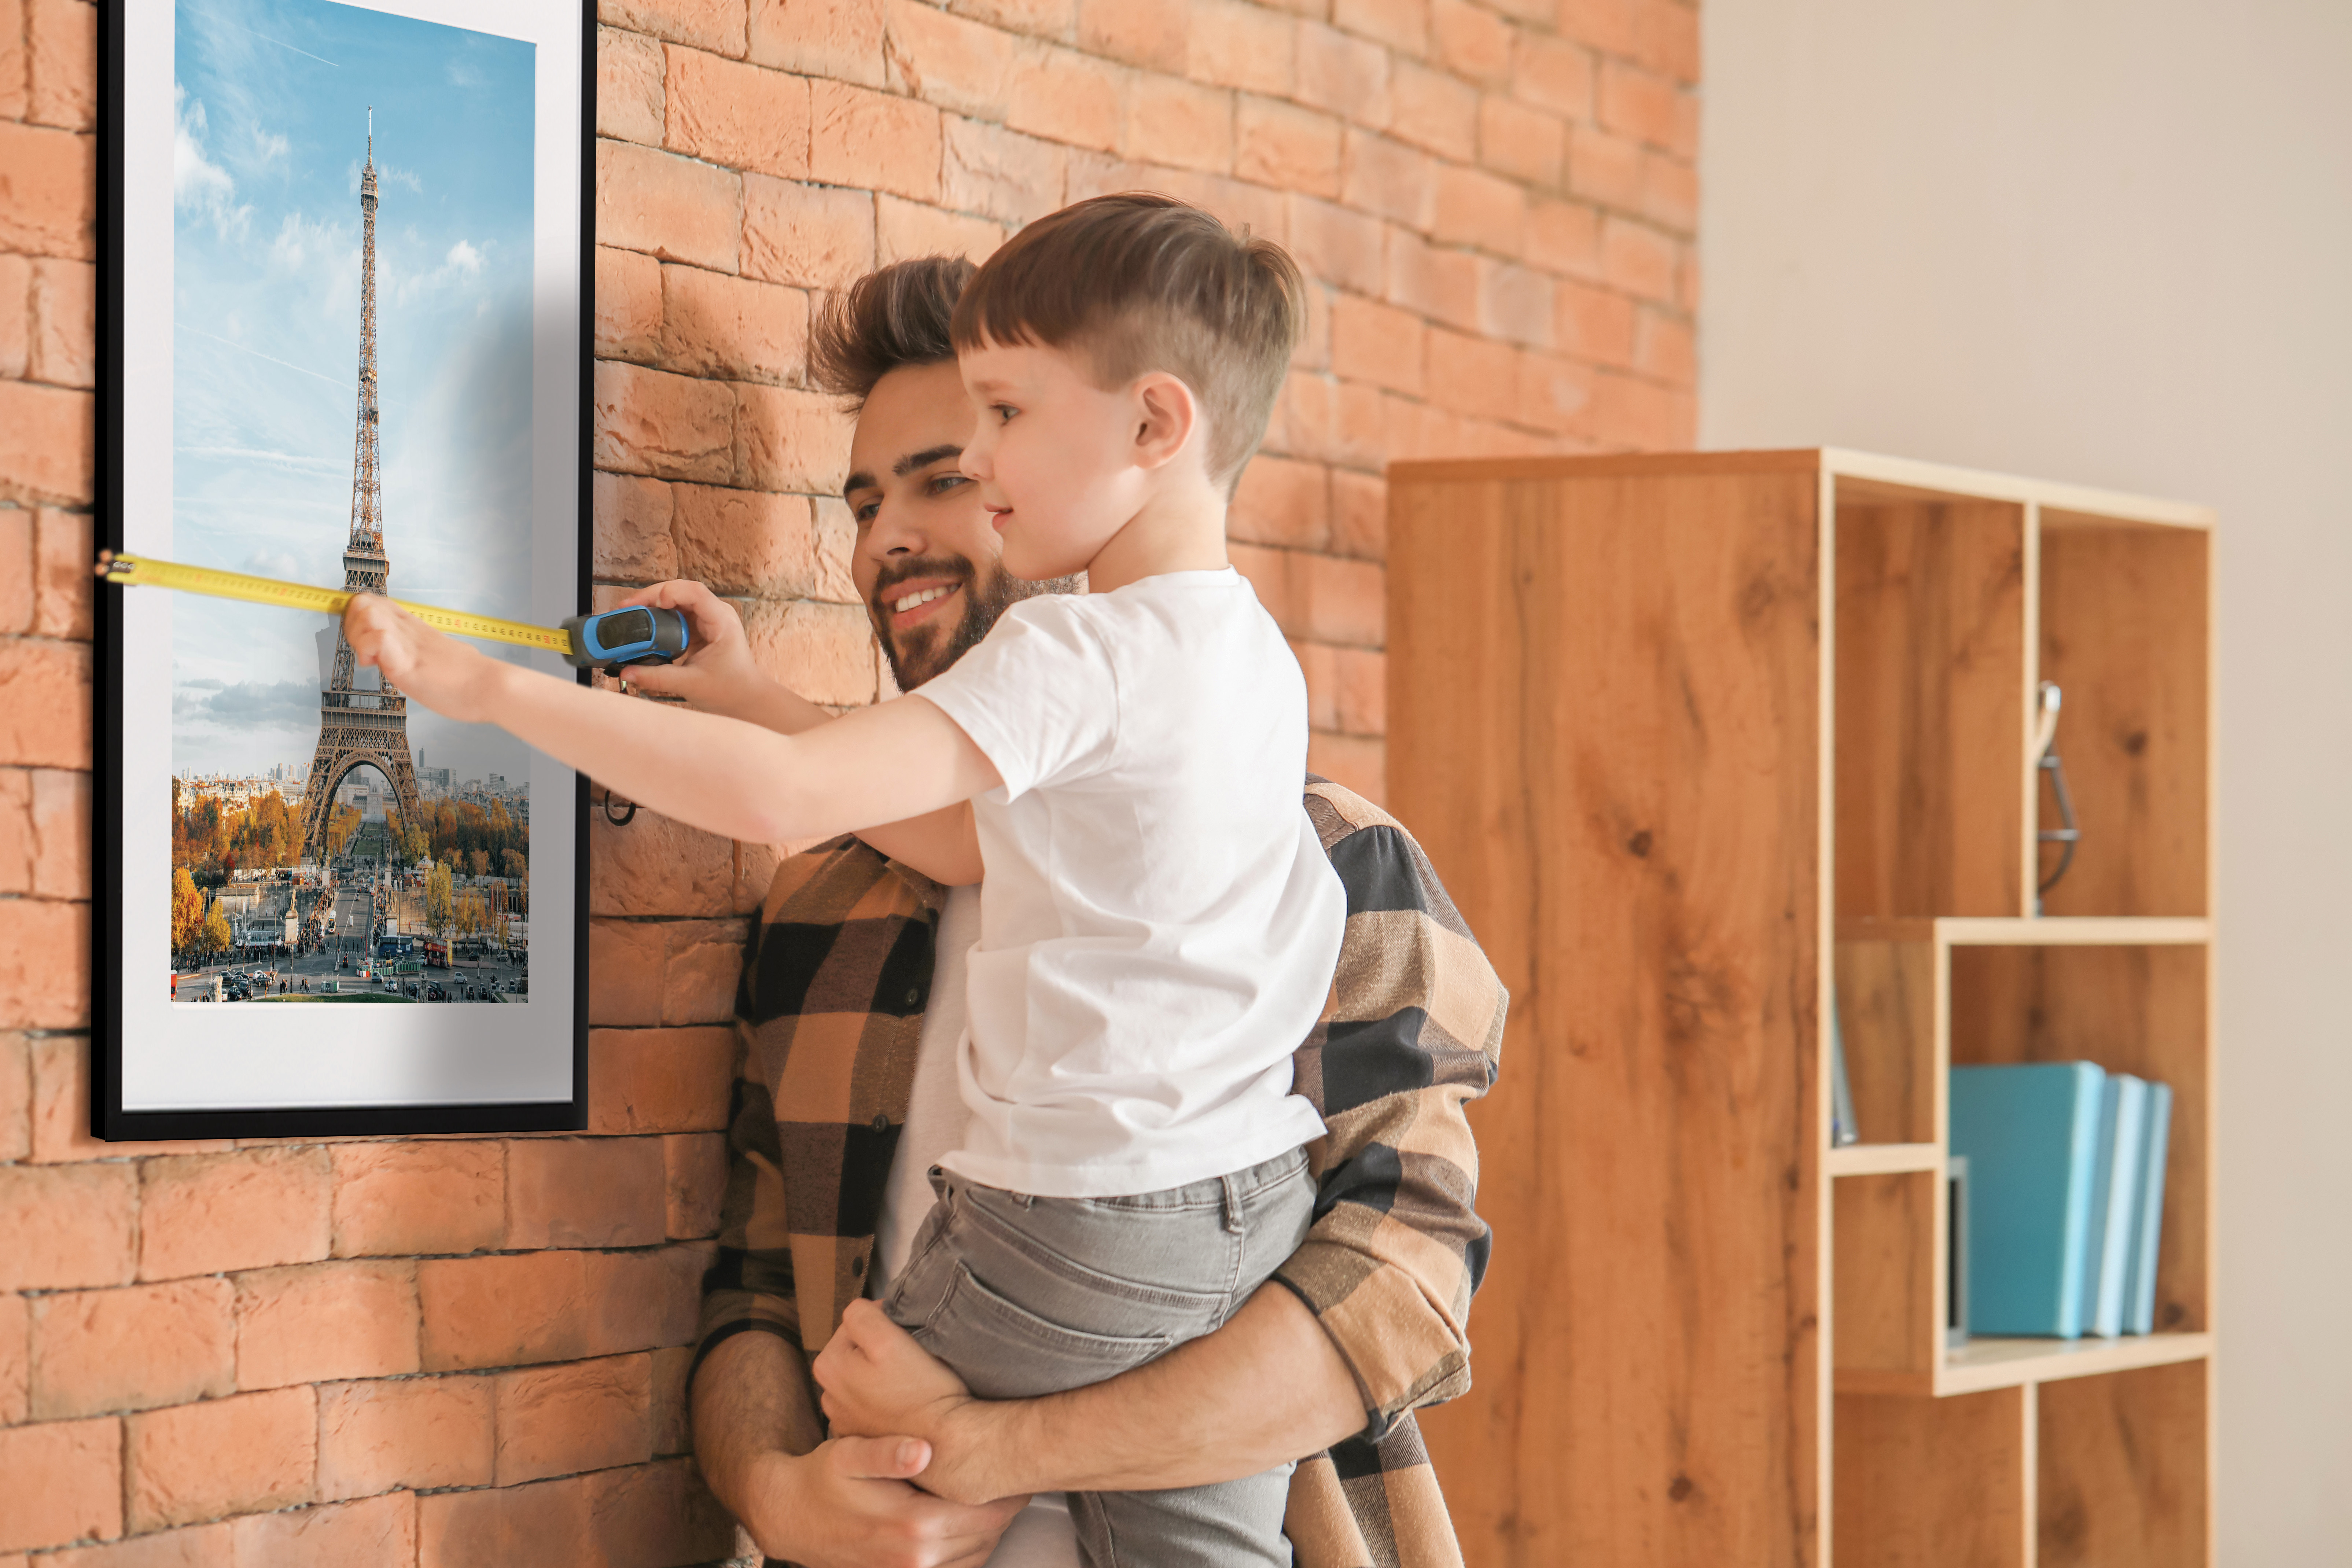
285	1056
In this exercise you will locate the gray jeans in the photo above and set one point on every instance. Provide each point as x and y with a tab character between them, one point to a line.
1026	1295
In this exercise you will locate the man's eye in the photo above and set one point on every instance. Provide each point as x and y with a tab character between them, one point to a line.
942	483
864	512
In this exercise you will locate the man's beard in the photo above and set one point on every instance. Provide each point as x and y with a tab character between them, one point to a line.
985	599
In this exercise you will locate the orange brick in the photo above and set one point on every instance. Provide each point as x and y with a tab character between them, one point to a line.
669	206
1434	110
68	1227
1592	324
1376	342
1360	514
724	111
402	1198
999	173
1348	75
1153	37
624	971
713	24
694	1166
649	422
1515	303
257	1207
699	971
1286	147
903	229
1670	192
840	39
836	538
1063	96
1363	681
648	1515
379	1531
557	1420
1637	259
809	236
51	832
544	1525
1344	601
244	1454
656	867
1179	124
1233	44
1337	246
1354	761
736	328
1554	394
65	314
1032	18
65	1483
1521	142
45	440
12	88
502	1310
659	1080
1604	24
1234	203
15	524
134	1349
744	542
1662	347
633	539
1471	40
63	551
1282	502
49	179
641	1301
1270	575
1554	74
323	1321
788	440
1442	284
16	1360
629	71
1472	375
1400	24
1315	662
1639	415
1647	108
873	141
1388	178
45	715
403	1432
628	305
673	1429
1604	168
44	963
585	1192
198	1546
1564	237
1477	208
1666	39
949	60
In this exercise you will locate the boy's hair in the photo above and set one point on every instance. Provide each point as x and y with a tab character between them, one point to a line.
895	317
1141	282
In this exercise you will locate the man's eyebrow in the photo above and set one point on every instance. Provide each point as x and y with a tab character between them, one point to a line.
860	480
923	459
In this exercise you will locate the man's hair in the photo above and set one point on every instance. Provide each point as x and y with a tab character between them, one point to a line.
895	317
1141	282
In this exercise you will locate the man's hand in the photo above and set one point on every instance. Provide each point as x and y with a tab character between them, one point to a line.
877	1380
439	672
717	673
848	1503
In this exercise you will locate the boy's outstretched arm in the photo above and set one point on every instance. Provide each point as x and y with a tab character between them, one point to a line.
880	766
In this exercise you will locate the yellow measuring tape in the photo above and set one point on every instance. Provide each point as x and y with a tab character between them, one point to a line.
146	571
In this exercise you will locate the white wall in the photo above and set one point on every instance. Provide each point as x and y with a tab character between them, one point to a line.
2112	243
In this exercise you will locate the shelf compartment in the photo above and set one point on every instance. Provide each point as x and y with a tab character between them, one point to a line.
2123	1471
1935	1483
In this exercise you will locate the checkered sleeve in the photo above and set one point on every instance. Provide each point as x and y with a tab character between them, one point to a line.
1411	1034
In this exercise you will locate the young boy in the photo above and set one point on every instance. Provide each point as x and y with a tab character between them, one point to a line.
1159	922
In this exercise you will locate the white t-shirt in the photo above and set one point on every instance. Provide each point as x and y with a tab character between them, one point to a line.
1041	1535
1159	923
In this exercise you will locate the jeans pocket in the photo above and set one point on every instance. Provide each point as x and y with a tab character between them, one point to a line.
1004	1350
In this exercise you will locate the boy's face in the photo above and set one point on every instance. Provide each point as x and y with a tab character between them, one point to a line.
922	532
1053	456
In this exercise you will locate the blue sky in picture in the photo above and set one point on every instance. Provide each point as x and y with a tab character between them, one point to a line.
270	131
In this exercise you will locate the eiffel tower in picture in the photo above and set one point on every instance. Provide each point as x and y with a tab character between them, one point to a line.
360	725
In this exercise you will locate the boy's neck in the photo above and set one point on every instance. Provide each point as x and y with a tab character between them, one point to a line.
1180	529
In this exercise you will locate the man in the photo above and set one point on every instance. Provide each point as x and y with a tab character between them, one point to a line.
850	1006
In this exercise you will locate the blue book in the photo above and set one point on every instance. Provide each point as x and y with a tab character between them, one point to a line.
2103	1169
2029	1132
2139	1314
2125	1148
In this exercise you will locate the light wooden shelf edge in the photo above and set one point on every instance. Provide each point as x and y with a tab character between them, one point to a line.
1982	1366
2053	930
1939	478
1881	1158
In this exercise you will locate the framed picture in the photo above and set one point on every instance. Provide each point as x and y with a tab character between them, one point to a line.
345	278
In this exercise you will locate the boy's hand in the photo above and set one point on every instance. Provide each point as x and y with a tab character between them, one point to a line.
439	672
717	673
878	1382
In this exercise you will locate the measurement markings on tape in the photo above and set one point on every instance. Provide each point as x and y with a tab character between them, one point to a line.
145	570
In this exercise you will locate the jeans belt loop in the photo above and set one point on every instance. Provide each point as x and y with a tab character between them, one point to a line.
1233	1187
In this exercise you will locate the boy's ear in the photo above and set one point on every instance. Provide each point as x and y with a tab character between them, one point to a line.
1168	417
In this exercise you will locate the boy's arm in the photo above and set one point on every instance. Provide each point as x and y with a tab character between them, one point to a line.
880	765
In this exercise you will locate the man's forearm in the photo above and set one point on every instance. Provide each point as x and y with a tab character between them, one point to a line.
752	1402
1266	1388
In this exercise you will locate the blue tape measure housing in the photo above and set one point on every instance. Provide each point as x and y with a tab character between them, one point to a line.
641	634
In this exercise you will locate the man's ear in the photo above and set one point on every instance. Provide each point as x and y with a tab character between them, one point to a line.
1168	417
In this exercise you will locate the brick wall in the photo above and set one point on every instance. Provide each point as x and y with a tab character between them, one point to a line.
465	1351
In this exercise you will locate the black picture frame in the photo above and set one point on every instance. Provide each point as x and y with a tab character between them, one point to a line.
109	1120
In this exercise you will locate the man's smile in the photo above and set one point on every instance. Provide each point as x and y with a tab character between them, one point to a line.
911	603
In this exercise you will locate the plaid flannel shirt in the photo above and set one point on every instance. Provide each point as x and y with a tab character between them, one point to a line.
831	1012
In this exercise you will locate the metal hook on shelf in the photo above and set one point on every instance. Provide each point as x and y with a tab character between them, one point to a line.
2066	834
628	814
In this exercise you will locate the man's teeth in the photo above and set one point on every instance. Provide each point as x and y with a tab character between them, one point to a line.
925	597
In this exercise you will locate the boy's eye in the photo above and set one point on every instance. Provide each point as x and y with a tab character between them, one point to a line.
1003	411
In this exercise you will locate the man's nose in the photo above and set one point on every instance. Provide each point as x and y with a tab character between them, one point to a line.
893	531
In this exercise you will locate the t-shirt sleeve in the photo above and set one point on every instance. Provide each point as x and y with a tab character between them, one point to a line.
1039	696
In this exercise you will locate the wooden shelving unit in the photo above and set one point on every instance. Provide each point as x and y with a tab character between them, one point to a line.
1694	739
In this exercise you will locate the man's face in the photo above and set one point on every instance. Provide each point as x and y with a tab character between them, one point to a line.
928	559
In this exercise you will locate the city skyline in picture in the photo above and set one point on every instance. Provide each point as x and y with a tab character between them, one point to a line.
272	101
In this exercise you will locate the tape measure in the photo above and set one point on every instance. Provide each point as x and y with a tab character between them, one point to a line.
638	634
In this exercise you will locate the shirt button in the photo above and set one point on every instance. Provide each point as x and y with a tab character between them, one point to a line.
857	1269
881	1123
914	995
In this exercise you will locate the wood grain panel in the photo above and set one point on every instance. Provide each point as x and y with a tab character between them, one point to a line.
1886	1011
2123	1469
2140	1010
1935	1483
1889	1317
1604	726
1931	643
2123	634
